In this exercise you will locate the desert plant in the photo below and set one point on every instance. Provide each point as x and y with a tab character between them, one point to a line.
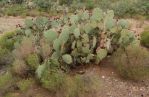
60	83
145	38
7	40
53	81
25	48
6	56
25	84
43	5
15	10
20	68
82	85
33	61
132	65
17	1
5	80
82	37
46	49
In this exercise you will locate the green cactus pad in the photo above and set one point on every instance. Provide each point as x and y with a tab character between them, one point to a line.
50	35
67	59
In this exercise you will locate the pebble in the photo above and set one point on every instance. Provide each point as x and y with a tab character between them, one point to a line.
103	77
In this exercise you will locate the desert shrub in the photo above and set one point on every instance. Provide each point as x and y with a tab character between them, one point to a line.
44	5
105	4
53	81
145	39
5	80
17	1
33	61
11	95
6	56
65	85
83	85
16	10
132	63
130	7
90	4
19	68
25	84
122	7
66	2
7	40
25	48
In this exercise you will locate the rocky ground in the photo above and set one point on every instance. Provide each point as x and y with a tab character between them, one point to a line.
111	84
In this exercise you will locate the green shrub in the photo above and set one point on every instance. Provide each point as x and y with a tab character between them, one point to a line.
16	10
132	64
90	4
43	5
6	56
12	95
65	85
5	80
145	38
83	85
25	84
7	40
17	1
53	81
33	61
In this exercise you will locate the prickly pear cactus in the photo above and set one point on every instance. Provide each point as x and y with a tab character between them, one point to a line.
81	38
28	23
101	54
50	35
97	14
67	59
123	23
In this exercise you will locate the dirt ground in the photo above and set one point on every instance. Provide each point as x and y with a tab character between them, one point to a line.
112	84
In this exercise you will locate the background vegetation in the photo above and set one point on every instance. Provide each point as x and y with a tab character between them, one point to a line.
122	8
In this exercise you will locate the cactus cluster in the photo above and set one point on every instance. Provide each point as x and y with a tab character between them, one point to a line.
82	38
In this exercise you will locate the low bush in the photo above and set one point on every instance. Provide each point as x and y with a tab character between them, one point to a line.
83	86
15	10
43	5
19	68
65	85
33	61
5	80
7	40
25	84
24	49
7	44
6	56
12	95
133	63
145	38
53	81
17	1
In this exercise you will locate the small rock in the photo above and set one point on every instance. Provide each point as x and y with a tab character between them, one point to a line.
81	72
103	77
